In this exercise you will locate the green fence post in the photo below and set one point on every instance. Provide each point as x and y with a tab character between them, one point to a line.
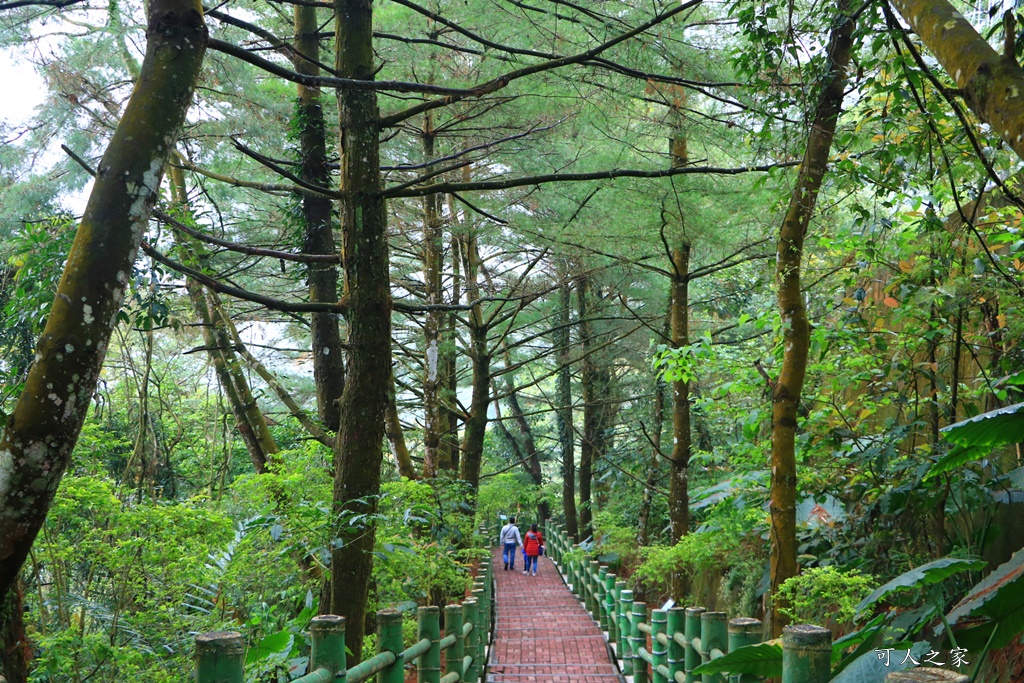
806	654
602	605
620	637
328	635
482	629
743	631
676	623
659	650
638	640
570	566
713	636
389	639
469	611
593	583
453	626
927	674
692	631
220	657
428	666
626	631
609	606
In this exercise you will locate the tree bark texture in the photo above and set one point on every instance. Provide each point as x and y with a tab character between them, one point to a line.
679	511
992	85
591	409
476	422
796	331
433	378
682	449
359	450
563	410
42	430
328	355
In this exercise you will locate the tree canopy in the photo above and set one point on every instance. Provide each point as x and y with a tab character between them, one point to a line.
730	289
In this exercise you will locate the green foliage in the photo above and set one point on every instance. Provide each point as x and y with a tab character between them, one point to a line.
706	552
997	602
763	659
920	577
824	591
508	493
111	583
680	365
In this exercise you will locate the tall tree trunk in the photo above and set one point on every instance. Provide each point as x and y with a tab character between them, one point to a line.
563	408
679	476
450	437
591	410
15	650
796	335
221	346
433	379
318	238
42	430
531	456
359	449
657	421
992	85
476	422
393	430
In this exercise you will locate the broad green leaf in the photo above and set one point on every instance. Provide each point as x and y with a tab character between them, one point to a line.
863	638
1000	598
925	575
957	457
871	667
763	659
275	643
991	429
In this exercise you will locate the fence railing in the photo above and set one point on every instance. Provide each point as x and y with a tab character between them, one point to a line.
220	656
681	639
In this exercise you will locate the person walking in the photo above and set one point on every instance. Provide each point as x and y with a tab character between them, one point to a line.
533	546
509	539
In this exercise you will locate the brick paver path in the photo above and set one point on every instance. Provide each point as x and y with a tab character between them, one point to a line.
542	634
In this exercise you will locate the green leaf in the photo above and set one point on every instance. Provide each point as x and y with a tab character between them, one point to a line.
957	457
763	659
275	643
871	667
925	575
988	430
1000	598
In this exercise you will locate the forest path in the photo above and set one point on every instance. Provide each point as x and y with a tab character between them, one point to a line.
542	633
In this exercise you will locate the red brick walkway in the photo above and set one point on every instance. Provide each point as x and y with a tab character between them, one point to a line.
542	634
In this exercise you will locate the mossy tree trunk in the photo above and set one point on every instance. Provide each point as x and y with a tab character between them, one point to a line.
591	408
434	415
679	466
359	449
42	430
796	331
992	85
476	421
318	236
563	410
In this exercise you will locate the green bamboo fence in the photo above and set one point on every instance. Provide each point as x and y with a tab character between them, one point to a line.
220	656
665	646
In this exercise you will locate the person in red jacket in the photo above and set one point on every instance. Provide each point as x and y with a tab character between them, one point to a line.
533	541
